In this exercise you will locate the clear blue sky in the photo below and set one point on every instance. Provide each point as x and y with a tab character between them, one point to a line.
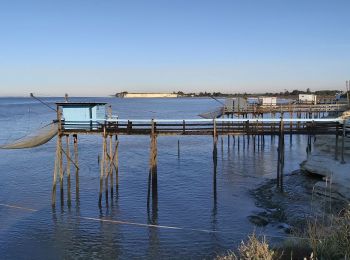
100	47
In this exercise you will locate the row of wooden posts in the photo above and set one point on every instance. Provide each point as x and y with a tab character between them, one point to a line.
109	164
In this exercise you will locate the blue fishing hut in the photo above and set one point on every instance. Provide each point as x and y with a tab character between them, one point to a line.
81	114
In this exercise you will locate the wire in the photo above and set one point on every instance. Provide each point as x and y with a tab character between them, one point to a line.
222	103
42	102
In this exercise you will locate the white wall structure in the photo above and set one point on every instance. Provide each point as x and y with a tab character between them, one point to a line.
268	101
308	98
150	95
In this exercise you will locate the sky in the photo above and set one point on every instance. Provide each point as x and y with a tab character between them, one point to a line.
101	47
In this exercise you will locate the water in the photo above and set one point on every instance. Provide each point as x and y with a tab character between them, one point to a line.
210	215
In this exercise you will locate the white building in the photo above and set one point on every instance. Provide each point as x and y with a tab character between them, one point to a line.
307	98
147	95
268	101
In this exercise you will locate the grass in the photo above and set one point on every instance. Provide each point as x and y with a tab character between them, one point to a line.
253	248
325	239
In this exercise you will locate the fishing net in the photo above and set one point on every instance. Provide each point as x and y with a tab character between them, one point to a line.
37	138
218	112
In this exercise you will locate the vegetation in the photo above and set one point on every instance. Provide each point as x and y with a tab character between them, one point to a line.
326	239
252	249
286	93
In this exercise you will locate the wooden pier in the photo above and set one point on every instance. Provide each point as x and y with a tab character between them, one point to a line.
298	110
249	130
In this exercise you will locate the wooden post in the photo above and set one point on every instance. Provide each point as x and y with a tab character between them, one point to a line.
106	166
153	161
116	159
291	129
215	141
53	196
60	167
68	170
336	143
178	148
75	142
111	162
343	142
102	166
280	160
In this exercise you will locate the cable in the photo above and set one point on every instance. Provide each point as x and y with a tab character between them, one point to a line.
42	102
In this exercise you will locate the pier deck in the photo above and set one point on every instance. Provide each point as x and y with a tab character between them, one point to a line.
319	126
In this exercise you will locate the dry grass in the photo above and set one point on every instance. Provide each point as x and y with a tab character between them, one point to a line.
252	249
326	239
330	239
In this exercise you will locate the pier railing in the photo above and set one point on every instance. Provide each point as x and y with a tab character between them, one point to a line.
222	126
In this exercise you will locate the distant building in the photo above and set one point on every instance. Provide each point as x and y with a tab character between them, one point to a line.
268	101
147	95
307	98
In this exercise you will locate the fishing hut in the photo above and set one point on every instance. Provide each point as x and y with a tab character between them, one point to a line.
84	115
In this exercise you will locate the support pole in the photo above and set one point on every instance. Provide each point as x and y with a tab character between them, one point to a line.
60	167
116	160
106	167
153	162
68	170
343	142
54	182
111	159
75	143
102	165
280	160
215	141
336	142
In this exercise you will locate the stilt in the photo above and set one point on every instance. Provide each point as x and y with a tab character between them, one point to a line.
215	150
54	182
102	169
60	167
75	144
106	167
336	143
68	171
280	160
153	162
116	160
111	163
343	142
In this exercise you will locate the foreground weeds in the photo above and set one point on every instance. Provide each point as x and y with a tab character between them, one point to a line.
253	248
326	239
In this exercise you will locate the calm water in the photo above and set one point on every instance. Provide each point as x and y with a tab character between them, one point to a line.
208	223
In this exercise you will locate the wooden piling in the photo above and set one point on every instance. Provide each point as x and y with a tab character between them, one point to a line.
116	162
336	143
54	182
75	144
68	170
280	159
102	166
111	162
106	167
215	141
60	167
343	142
153	160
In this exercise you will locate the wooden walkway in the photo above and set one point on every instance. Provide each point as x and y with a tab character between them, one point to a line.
307	109
251	130
225	126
